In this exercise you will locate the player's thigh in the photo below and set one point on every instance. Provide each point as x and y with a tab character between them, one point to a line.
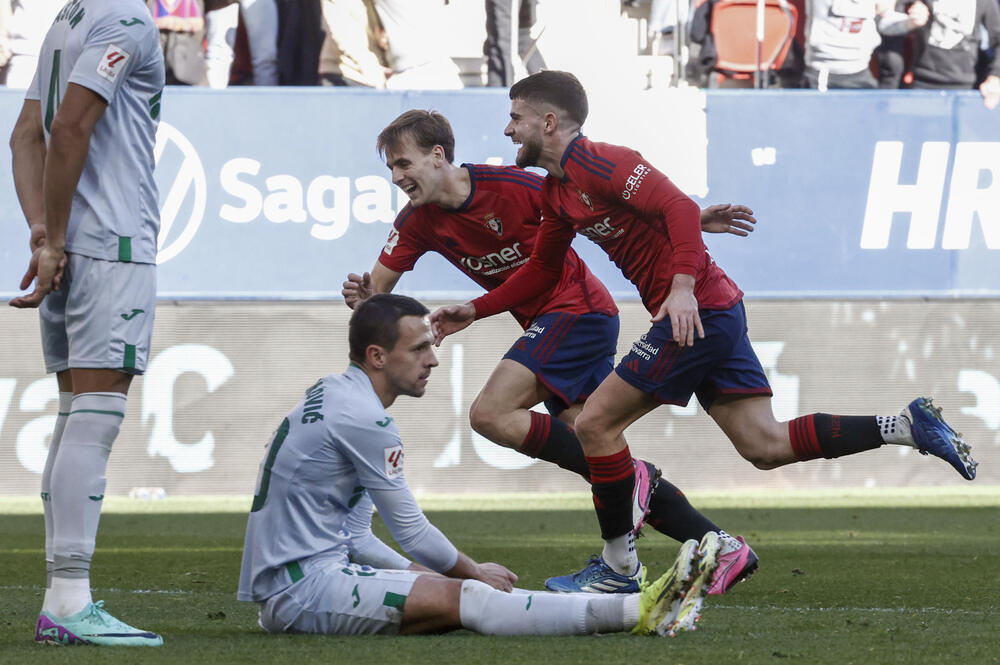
736	373
109	314
52	320
340	600
610	409
569	354
511	386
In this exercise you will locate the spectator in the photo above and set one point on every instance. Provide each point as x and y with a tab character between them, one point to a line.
842	34
946	49
182	30
413	33
349	50
23	24
260	20
497	48
300	40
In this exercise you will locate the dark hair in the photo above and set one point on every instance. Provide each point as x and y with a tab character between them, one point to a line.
426	128
376	321
560	89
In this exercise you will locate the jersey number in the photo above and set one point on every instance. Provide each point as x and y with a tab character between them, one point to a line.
265	476
50	111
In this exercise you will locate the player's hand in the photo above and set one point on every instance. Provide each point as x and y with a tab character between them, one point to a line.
728	218
46	269
682	308
357	289
37	238
450	319
497	576
990	89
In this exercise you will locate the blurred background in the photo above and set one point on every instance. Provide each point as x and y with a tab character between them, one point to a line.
864	136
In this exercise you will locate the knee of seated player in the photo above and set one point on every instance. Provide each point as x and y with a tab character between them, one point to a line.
433	605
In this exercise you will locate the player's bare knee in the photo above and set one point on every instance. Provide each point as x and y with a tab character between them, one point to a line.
589	427
484	419
760	448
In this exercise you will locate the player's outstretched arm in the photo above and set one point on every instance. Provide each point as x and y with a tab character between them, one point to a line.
450	319
728	218
493	574
359	288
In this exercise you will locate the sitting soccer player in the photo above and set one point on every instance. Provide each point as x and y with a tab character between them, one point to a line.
313	564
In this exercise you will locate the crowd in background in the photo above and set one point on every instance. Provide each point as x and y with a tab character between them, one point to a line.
403	44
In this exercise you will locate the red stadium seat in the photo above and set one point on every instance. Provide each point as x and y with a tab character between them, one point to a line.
734	28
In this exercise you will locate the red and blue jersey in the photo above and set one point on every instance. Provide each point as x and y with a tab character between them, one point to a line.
490	236
647	226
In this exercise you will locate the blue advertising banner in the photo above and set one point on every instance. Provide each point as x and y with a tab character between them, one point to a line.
279	193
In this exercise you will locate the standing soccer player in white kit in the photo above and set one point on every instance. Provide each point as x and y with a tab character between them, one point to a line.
83	169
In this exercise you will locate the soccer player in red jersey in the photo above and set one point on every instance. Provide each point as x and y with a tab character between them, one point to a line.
698	342
483	220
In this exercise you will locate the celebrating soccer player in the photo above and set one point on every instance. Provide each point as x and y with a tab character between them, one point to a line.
698	342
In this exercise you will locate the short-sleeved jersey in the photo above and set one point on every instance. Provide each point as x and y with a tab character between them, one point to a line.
111	47
646	225
489	236
336	443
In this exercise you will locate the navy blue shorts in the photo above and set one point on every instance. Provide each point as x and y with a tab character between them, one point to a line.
569	353
723	363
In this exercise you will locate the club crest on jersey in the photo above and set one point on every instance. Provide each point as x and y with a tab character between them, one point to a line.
390	244
586	200
393	461
113	62
493	223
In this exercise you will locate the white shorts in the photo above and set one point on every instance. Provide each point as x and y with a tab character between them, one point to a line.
338	599
101	317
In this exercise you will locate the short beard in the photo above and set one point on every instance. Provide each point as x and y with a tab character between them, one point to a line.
529	154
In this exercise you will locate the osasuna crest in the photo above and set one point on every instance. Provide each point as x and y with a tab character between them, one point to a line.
586	200
390	244
493	223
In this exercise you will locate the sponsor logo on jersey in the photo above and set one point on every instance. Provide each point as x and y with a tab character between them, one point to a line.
586	200
390	244
493	223
634	181
601	231
134	313
494	262
393	461
113	62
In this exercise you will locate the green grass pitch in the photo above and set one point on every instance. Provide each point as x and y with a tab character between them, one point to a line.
853	577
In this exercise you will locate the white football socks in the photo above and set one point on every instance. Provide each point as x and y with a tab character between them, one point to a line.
619	553
77	492
65	403
896	429
490	612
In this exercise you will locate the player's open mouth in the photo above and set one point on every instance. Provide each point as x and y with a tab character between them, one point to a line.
410	189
